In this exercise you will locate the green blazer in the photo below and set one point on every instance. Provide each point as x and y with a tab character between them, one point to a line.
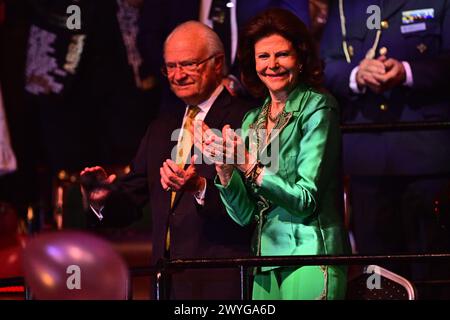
297	206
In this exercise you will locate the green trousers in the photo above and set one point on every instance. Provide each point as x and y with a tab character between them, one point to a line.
304	283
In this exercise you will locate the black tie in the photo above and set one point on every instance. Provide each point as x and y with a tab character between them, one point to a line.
220	15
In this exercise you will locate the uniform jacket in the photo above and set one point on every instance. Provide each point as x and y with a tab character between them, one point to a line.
424	42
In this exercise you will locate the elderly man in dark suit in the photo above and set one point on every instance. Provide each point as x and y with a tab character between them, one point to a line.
189	220
393	72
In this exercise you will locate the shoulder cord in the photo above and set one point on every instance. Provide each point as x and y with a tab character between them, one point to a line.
371	52
344	31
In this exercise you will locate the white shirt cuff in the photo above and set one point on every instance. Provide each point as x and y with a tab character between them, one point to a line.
353	84
97	213
200	195
409	77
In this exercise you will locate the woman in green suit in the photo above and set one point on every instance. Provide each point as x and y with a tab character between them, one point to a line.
288	181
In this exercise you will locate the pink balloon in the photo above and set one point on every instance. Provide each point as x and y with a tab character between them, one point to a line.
75	266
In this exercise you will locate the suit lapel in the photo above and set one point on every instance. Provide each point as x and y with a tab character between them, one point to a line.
215	119
292	110
175	124
171	122
281	127
218	111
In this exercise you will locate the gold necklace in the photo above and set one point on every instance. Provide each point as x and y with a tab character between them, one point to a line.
274	119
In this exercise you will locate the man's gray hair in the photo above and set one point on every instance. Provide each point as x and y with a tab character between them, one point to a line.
212	40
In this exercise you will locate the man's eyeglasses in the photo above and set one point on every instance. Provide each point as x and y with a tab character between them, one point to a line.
186	66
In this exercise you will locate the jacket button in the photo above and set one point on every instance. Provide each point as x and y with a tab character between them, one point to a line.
351	51
384	24
422	48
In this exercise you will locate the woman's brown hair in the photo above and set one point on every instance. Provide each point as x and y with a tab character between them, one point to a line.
288	25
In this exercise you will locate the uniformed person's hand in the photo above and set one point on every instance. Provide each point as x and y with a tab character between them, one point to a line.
395	74
368	74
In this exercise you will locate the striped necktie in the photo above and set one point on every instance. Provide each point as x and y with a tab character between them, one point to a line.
186	141
183	150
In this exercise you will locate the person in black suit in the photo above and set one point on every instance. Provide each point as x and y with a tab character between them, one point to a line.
189	220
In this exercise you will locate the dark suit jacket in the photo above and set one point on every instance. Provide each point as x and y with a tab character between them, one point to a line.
196	231
415	152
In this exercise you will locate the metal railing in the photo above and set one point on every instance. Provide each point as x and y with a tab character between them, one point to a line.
165	267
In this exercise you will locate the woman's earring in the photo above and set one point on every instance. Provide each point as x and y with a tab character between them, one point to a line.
300	68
